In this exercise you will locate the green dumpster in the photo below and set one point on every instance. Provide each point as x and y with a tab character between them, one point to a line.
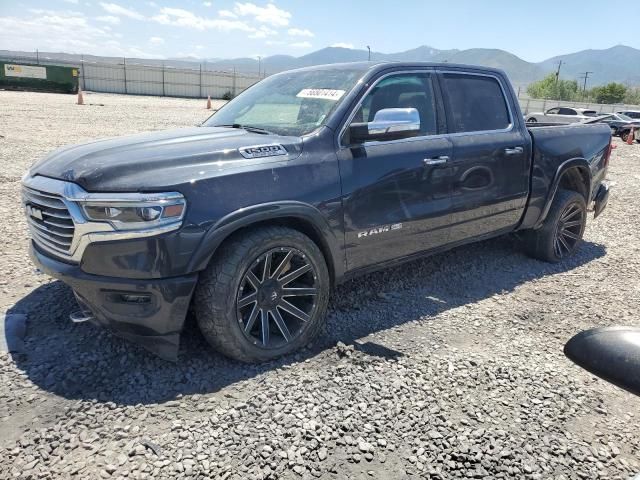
48	78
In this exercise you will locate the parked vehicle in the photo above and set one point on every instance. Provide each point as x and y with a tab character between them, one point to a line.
562	115
635	114
619	123
306	179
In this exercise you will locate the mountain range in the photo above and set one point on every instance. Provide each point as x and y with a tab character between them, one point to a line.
616	64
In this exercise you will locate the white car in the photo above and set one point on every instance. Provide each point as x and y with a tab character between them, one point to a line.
562	115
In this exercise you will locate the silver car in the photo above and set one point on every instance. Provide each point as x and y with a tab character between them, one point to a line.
562	115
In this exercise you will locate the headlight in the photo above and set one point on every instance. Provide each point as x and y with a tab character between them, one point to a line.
148	211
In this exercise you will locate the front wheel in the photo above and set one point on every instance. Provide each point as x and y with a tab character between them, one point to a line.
532	120
625	136
562	230
264	294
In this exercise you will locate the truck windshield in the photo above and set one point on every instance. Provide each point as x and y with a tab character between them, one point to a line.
290	103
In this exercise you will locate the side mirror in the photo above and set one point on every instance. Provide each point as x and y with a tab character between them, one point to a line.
388	124
611	353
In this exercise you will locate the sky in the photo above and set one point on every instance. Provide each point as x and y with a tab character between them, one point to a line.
534	31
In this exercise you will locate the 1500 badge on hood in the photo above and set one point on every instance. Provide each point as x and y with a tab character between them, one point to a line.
262	151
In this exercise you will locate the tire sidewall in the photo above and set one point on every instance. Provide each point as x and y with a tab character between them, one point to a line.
564	199
254	251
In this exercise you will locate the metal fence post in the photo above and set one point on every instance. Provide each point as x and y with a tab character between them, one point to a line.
200	80
124	68
84	78
234	82
163	93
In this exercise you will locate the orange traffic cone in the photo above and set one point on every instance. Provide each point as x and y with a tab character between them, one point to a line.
80	97
631	137
208	102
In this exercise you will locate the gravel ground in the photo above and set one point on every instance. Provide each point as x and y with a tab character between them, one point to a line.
449	367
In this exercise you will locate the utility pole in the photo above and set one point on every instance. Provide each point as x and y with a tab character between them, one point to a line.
585	76
558	71
259	65
369	48
37	57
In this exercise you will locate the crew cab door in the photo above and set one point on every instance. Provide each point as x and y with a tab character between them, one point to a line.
396	197
491	157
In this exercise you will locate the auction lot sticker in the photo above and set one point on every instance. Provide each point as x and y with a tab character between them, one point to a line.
324	93
25	71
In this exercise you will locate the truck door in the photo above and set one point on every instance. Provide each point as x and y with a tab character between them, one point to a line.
396	197
491	157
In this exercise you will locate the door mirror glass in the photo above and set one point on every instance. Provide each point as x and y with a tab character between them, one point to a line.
388	124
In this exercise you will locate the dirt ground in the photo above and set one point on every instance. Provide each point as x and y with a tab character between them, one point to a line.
447	367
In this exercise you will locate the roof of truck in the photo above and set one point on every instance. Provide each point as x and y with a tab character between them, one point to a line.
377	66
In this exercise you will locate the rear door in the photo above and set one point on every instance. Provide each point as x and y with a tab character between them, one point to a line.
396	197
490	164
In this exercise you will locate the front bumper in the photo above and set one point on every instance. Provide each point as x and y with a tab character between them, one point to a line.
150	312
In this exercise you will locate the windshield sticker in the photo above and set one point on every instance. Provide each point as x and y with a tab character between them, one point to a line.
324	93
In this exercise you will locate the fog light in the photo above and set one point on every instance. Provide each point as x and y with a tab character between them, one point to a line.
135	298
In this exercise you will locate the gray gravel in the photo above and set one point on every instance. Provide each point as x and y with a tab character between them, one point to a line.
450	367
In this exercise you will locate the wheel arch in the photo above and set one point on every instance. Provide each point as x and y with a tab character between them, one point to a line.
573	174
296	215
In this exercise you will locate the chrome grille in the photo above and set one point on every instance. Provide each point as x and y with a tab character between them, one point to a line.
49	219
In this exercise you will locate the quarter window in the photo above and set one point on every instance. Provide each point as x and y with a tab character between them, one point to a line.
476	103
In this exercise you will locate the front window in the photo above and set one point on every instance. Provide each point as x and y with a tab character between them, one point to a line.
624	117
590	113
290	103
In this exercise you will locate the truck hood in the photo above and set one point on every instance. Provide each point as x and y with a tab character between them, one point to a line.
159	160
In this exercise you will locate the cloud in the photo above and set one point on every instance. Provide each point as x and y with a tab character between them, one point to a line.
342	45
301	45
270	14
184	18
207	4
115	9
52	31
108	19
300	32
227	14
156	41
263	32
75	2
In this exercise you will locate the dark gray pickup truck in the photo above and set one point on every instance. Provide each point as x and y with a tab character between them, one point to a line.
306	179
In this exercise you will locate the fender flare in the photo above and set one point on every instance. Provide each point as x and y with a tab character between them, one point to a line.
580	163
246	216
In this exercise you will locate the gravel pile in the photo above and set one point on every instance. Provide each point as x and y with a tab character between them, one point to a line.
449	367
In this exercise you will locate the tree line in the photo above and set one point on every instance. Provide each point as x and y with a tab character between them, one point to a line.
556	89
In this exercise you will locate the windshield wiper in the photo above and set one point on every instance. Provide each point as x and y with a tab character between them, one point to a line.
248	128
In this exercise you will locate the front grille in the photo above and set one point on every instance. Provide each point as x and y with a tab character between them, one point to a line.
49	219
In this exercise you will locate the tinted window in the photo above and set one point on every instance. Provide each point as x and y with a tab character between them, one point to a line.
567	111
402	91
590	113
476	103
553	111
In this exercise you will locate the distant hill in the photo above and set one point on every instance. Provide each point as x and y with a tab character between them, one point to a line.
619	63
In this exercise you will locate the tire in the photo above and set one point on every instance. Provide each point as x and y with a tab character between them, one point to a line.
234	296
561	232
532	120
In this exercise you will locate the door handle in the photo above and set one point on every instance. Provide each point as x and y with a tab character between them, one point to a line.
514	151
441	160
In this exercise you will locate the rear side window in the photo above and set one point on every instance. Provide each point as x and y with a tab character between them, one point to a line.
568	111
476	103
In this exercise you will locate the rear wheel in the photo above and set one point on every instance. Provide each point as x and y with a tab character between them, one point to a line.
624	136
264	295
561	233
532	120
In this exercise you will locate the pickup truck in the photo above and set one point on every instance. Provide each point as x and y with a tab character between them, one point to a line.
306	179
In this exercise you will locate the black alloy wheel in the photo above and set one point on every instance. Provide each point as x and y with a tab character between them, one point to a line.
568	230
277	297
